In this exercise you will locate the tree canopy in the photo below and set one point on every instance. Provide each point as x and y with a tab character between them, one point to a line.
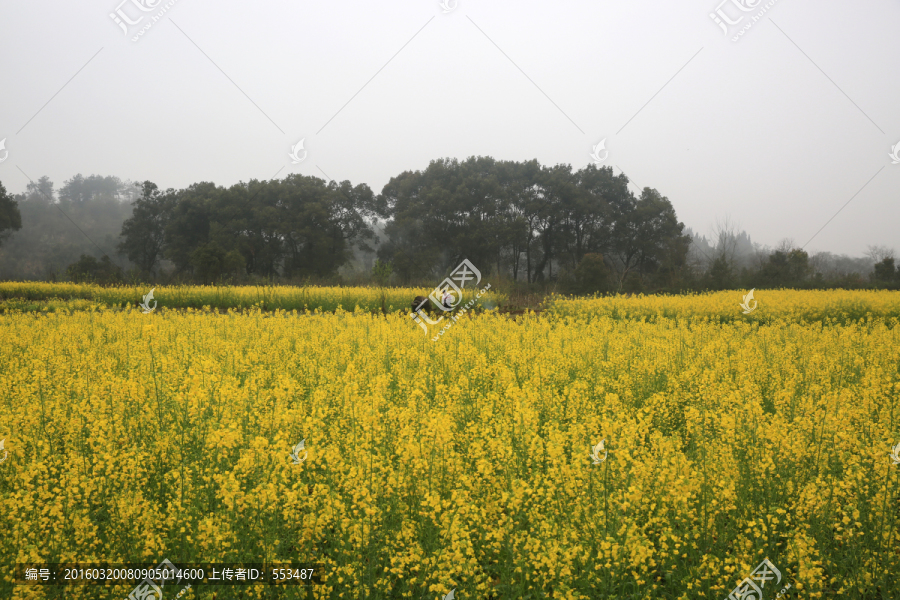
524	219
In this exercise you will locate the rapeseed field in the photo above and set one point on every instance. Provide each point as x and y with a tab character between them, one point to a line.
32	295
471	464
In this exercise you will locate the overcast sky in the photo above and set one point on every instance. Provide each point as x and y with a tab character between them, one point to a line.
778	130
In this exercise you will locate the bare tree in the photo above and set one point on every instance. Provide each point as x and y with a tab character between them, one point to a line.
786	245
878	253
725	233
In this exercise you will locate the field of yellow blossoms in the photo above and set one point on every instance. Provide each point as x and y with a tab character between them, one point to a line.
472	464
48	297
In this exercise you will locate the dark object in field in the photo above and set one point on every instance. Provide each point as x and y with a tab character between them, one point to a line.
422	303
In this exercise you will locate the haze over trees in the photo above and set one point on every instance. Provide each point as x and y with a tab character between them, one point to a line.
582	231
10	217
54	228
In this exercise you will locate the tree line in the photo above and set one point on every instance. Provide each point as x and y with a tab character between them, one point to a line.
582	230
291	228
522	220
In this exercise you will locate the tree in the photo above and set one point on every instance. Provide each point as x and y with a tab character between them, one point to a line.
720	275
647	237
516	219
188	226
589	218
381	272
592	275
480	200
426	220
10	217
786	268
557	192
878	253
144	233
726	236
299	226
212	263
884	271
315	225
82	220
88	269
82	190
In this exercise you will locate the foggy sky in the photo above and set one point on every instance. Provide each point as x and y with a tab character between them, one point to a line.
777	131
